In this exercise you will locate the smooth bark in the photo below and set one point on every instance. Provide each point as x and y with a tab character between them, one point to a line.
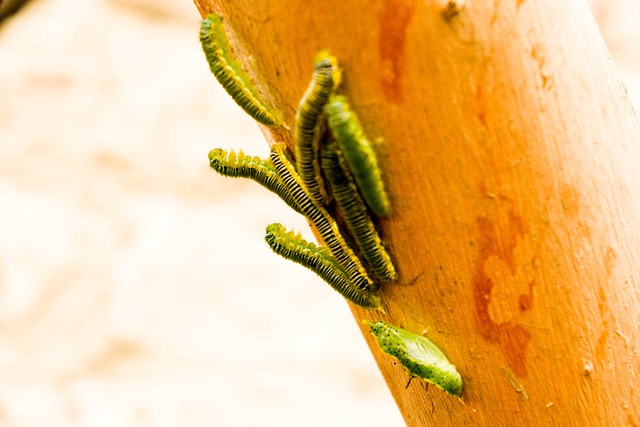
511	154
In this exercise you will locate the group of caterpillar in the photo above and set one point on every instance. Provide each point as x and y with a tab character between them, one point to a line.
334	160
302	186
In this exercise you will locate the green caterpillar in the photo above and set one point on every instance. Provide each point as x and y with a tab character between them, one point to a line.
420	357
229	72
310	124
359	154
293	247
355	214
239	165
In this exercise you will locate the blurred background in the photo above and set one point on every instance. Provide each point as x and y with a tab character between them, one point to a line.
135	286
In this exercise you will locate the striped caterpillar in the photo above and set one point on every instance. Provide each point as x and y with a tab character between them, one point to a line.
239	165
310	124
355	214
293	247
229	72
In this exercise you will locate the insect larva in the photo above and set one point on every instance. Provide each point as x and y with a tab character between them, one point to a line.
239	165
355	215
293	247
420	357
322	221
310	125
359	154
229	72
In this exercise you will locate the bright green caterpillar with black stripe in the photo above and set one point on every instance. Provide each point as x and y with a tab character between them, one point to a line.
239	165
347	197
319	260
310	124
229	72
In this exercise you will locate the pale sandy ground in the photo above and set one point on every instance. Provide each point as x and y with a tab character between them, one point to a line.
135	289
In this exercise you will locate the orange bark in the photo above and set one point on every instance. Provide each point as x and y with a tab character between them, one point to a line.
510	152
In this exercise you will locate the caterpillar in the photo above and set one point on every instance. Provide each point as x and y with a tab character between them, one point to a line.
293	247
229	72
239	165
355	214
359	154
310	124
322	221
420	357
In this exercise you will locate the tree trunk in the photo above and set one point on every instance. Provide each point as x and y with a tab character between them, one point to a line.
510	152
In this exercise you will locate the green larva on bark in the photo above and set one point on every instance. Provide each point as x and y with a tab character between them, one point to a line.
358	221
310	124
420	357
293	247
229	72
359	154
239	165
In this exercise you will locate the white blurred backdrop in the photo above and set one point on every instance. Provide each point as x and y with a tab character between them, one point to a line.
135	286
